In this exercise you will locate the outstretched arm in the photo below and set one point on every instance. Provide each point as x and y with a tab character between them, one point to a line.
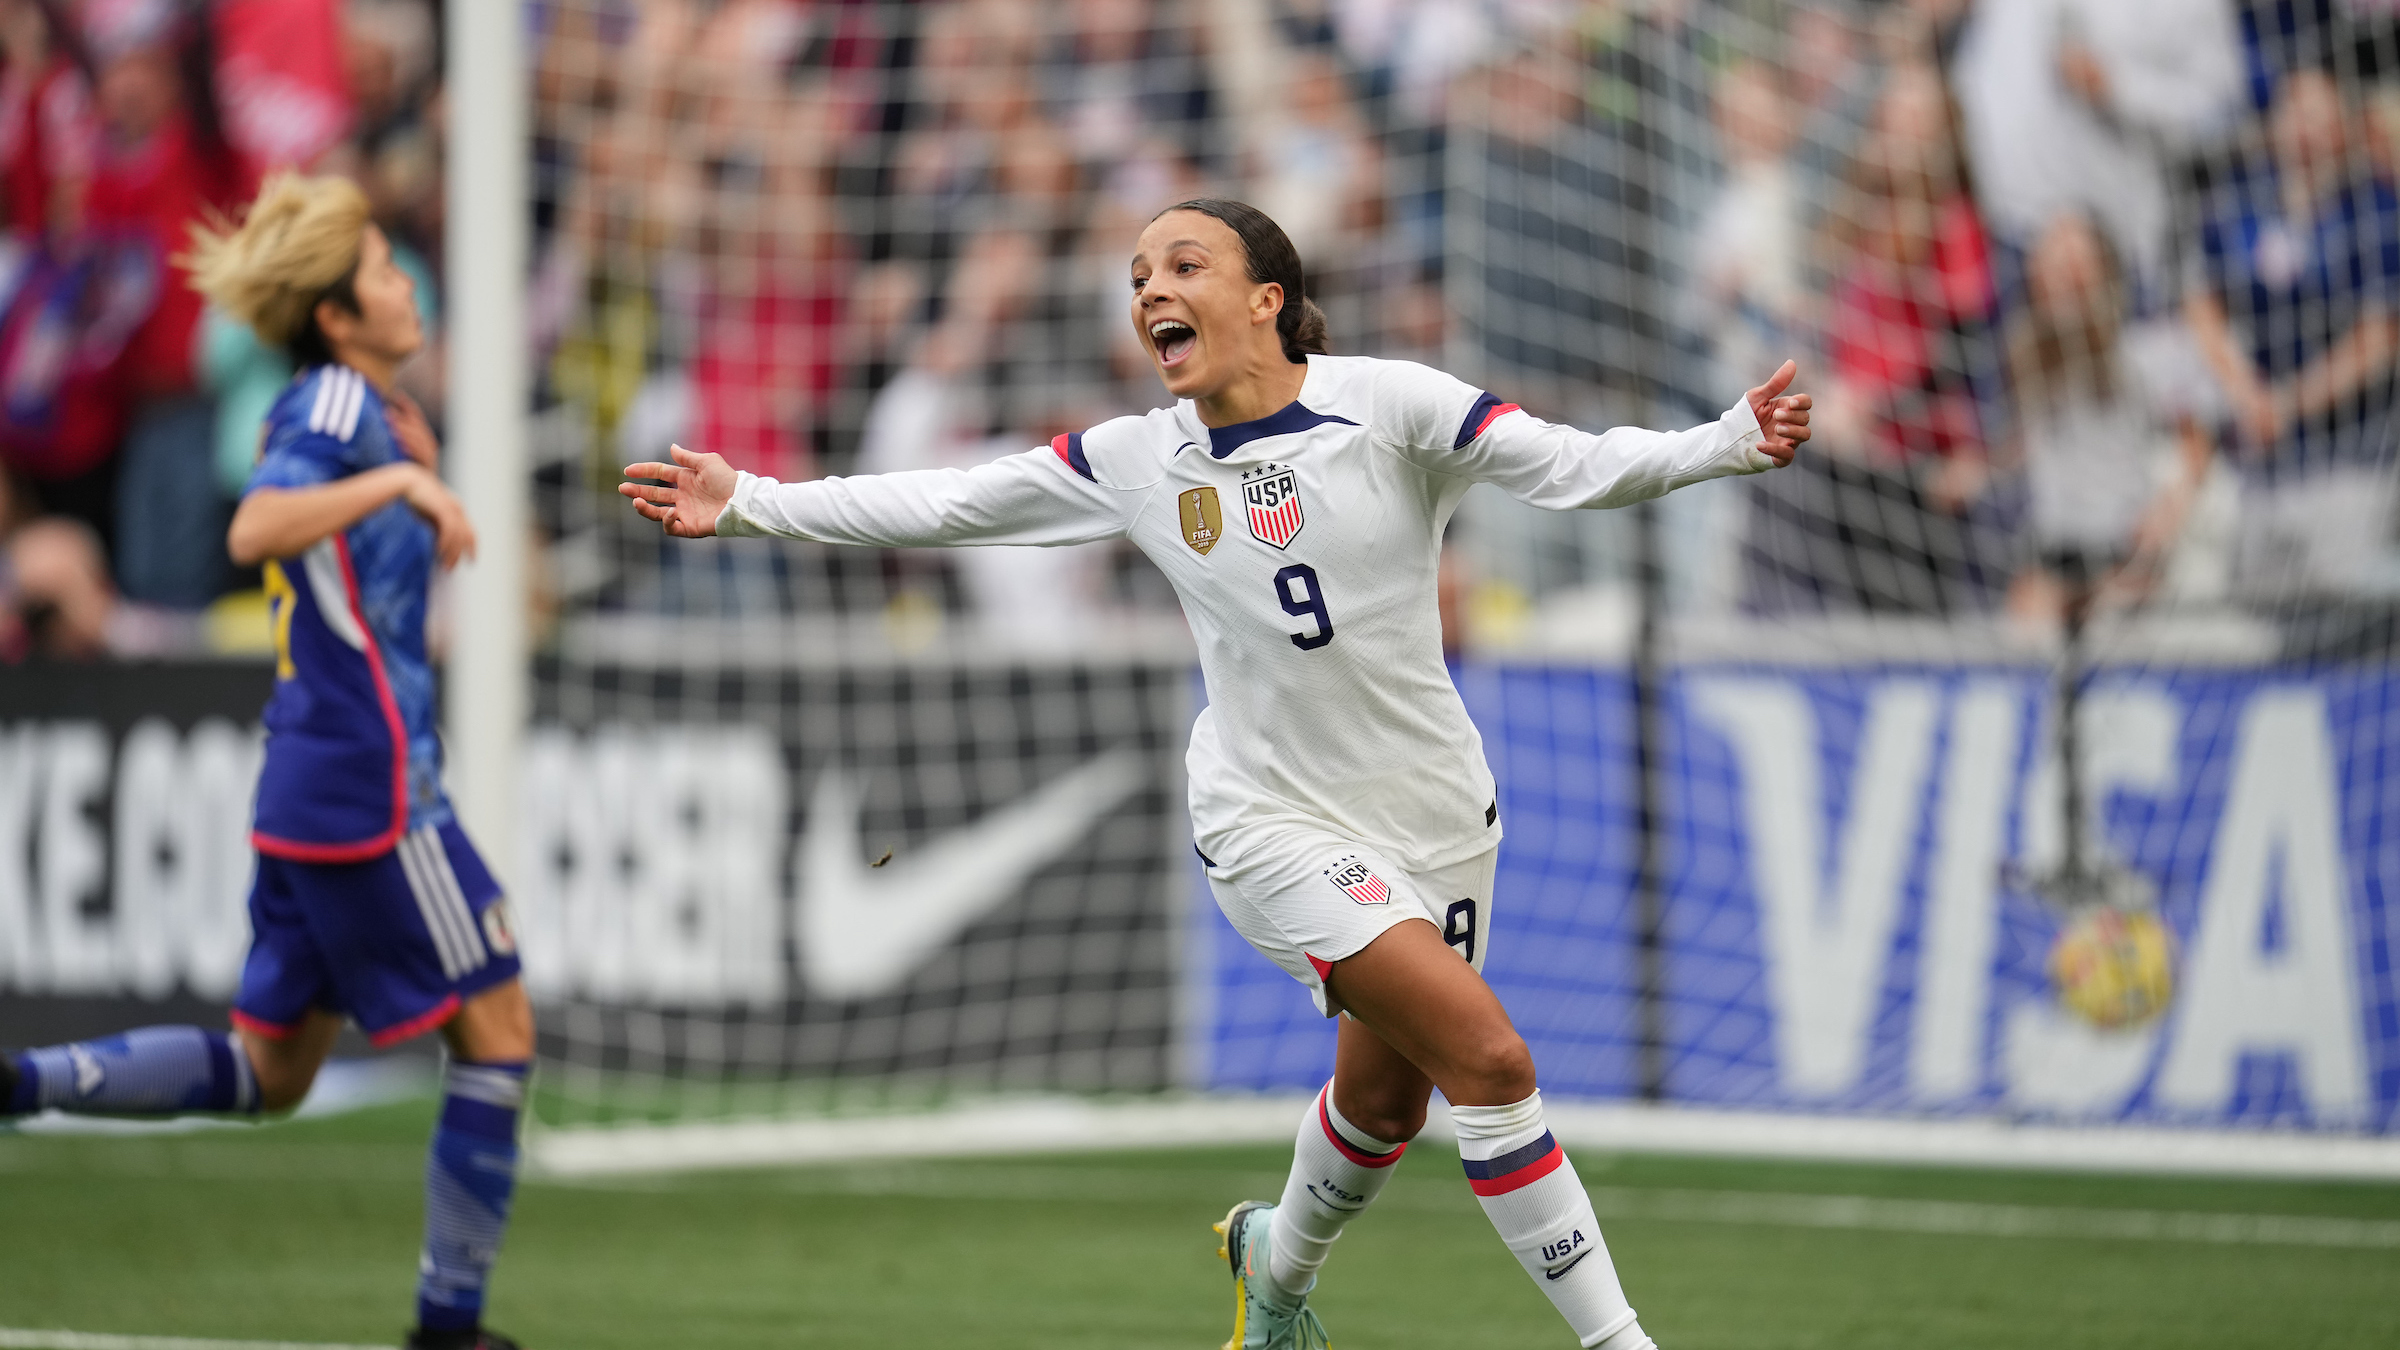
1562	469
1033	498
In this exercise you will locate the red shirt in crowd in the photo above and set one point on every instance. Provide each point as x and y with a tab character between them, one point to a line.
1893	330
48	135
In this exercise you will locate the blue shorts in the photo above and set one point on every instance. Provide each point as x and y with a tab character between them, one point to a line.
397	942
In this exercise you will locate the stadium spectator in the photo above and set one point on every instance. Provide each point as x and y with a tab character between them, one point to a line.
930	417
163	164
48	131
2297	308
1314	166
55	597
1120	72
1746	260
1894	516
2086	105
60	424
2110	420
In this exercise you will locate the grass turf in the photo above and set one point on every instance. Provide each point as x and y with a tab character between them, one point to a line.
307	1232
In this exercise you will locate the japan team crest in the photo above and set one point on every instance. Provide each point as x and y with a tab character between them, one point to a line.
1358	882
1271	499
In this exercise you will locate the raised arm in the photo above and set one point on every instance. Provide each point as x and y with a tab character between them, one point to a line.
1562	469
1038	497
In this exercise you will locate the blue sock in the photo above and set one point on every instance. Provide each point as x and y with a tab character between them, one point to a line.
470	1173
152	1071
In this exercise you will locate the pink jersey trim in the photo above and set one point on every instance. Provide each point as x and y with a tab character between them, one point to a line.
359	850
416	1026
1497	410
259	1026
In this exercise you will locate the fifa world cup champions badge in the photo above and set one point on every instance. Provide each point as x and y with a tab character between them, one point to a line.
1271	499
1203	519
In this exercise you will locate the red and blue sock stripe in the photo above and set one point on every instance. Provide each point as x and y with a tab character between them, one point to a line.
1347	1149
1515	1169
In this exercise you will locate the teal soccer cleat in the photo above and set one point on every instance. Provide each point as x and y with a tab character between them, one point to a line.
1264	1318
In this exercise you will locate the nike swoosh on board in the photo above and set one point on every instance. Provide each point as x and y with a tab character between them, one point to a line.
864	932
1554	1274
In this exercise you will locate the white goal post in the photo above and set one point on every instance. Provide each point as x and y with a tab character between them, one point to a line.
485	323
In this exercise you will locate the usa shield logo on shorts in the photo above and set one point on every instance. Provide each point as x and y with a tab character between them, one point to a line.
1271	498
1358	882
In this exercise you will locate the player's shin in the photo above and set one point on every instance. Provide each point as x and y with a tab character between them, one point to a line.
470	1176
1531	1194
150	1071
1337	1171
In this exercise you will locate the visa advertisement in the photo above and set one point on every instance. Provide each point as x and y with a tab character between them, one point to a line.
1851	920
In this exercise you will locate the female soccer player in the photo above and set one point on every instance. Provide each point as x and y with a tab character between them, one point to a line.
1339	795
369	902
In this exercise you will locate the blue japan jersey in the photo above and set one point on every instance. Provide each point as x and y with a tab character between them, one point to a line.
352	761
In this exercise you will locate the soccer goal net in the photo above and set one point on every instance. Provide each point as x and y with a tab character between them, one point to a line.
2024	749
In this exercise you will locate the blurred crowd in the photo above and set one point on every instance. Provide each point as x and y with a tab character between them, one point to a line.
2100	298
129	416
2104	296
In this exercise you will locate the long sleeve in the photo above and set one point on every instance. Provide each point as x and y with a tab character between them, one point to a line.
1562	469
1032	498
1449	427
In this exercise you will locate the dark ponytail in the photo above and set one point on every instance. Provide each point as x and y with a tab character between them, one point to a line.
1300	324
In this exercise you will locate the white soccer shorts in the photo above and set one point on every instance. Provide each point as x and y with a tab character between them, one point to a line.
1309	897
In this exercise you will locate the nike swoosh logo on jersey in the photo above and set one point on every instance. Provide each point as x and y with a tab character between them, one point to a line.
1562	1270
864	931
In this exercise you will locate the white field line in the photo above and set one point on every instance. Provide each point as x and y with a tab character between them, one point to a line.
1029	1125
1021	1183
20	1338
1979	1219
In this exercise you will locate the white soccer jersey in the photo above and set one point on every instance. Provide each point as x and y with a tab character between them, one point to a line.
1304	547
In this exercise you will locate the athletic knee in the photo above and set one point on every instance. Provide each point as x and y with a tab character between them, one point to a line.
281	1086
1498	1072
1394	1120
495	1026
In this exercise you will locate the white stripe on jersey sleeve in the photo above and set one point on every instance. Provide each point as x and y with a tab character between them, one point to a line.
344	423
1032	498
324	401
332	592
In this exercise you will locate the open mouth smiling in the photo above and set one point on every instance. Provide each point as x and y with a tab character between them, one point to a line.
1173	338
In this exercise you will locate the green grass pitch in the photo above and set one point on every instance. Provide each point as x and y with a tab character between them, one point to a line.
307	1232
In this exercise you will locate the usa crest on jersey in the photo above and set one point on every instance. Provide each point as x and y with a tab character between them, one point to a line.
1359	882
1271	499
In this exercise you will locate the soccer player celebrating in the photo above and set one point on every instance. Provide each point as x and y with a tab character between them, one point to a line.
369	902
1339	795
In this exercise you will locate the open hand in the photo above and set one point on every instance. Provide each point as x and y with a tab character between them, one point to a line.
1782	417
697	490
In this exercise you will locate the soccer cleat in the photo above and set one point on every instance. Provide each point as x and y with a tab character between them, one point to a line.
1262	1319
470	1338
8	1082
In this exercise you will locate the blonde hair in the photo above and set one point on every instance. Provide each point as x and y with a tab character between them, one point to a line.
299	240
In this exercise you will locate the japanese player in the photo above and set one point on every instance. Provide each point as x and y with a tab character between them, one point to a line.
1339	796
369	903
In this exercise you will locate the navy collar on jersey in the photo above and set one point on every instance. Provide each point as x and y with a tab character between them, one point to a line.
1292	417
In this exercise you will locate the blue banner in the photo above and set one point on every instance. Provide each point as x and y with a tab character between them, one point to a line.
1847	925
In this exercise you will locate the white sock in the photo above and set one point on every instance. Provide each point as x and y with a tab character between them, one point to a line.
1531	1194
1337	1169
